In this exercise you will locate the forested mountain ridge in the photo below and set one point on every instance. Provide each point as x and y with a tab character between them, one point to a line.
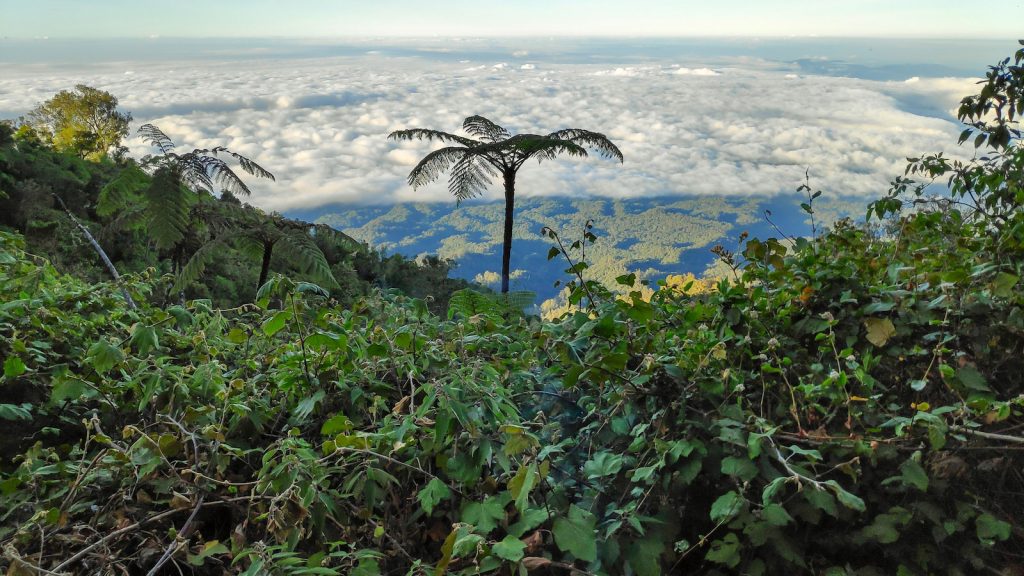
652	237
850	402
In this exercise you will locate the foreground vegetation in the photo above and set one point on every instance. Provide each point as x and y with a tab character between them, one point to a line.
845	404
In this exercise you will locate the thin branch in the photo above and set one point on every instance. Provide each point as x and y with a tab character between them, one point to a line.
99	250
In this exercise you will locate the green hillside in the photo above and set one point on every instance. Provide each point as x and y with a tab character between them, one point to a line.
849	402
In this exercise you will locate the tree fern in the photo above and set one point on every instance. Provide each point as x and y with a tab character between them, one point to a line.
473	162
300	248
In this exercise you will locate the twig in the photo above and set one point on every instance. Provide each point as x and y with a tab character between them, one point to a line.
990	435
182	536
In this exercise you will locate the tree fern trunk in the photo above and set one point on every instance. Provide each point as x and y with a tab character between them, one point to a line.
506	246
268	251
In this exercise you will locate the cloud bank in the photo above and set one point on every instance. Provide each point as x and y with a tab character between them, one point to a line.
685	128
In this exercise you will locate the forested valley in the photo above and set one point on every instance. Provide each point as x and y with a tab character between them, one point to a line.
194	386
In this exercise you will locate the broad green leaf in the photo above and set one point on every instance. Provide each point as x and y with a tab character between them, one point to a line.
432	494
13	367
776	515
990	529
742	468
144	338
847	499
510	548
275	323
725	551
103	356
914	475
486	515
576	534
1002	285
528	521
603	464
644	556
522	484
972	379
726	506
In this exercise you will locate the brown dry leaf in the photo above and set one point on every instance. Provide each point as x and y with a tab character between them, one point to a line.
535	562
534	542
880	330
180	502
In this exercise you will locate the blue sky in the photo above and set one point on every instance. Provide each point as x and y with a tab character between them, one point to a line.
320	18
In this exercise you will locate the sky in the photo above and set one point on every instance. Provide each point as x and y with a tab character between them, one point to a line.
310	89
337	18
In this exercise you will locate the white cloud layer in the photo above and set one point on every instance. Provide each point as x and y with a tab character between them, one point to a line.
321	125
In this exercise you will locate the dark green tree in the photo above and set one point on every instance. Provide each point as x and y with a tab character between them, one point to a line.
489	151
84	122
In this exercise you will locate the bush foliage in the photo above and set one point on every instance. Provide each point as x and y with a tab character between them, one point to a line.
844	404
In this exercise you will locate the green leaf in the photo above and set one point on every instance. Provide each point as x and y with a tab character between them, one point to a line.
211	548
432	493
576	534
776	515
336	425
15	412
726	506
528	521
989	528
144	338
368	566
486	515
914	475
644	557
521	484
276	322
13	367
103	356
972	379
725	551
742	468
510	548
847	499
603	464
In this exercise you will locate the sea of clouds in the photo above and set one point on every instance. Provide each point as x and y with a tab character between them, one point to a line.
739	127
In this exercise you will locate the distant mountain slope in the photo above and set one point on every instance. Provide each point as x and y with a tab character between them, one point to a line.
653	237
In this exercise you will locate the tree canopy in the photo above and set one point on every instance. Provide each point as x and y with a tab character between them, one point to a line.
84	121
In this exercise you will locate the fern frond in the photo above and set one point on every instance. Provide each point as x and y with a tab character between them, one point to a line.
431	135
485	129
249	246
434	164
196	265
336	236
155	137
470	177
518	300
467	303
593	140
542	147
302	250
248	165
133	215
116	194
167	209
